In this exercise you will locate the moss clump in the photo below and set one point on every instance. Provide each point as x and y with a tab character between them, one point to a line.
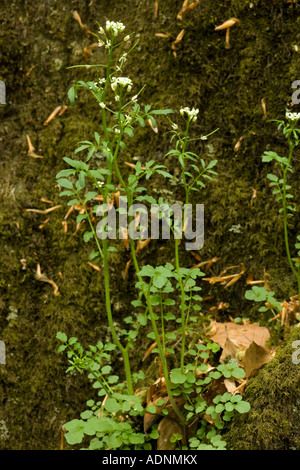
273	423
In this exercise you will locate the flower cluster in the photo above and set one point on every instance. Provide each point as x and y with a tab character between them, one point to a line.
292	116
114	27
192	113
122	81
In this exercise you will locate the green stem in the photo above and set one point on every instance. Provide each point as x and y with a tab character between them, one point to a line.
124	351
285	216
148	300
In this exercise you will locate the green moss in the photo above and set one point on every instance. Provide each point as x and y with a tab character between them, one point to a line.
273	421
227	87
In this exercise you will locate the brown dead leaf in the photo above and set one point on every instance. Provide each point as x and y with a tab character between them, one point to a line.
151	418
245	342
255	357
230	385
230	349
241	335
166	428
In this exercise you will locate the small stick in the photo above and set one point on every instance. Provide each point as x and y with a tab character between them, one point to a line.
52	115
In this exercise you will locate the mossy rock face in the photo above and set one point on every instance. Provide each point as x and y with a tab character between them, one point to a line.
273	422
37	44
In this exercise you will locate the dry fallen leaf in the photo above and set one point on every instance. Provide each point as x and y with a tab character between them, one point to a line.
151	418
242	335
166	428
245	342
255	357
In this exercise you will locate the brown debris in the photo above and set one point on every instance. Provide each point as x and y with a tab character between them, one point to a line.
264	106
227	25
222	279
52	115
247	343
186	6
43	278
31	149
156	9
82	26
46	211
177	40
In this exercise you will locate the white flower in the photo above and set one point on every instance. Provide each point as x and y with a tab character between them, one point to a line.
127	38
117	97
174	126
101	30
134	98
116	28
192	113
122	81
102	104
123	58
100	43
117	131
100	184
292	116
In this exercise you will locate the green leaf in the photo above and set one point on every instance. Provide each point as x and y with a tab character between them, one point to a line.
64	183
75	432
112	406
61	337
77	164
238	373
162	111
86	414
64	173
171	336
142	320
243	407
90	195
177	377
106	370
72	95
272	177
87	236
151	409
